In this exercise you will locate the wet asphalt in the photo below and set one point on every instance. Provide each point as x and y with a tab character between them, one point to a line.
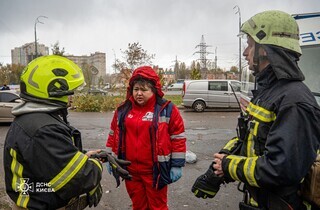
206	133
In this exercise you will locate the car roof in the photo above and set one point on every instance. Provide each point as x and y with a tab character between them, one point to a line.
209	80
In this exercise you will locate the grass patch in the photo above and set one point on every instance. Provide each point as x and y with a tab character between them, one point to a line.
176	99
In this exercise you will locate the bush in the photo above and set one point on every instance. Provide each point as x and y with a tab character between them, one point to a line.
110	103
101	103
86	103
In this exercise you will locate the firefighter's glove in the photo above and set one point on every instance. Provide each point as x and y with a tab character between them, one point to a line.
175	173
117	166
117	169
94	196
208	184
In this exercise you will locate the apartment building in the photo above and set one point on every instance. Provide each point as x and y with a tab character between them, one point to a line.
26	53
97	60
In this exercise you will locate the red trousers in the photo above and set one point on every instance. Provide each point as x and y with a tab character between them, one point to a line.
144	196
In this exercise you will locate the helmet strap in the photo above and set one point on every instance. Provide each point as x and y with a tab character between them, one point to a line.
257	58
64	113
60	93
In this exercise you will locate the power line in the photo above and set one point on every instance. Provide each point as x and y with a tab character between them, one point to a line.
203	52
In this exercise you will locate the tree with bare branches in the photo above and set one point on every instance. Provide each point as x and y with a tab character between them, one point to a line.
133	57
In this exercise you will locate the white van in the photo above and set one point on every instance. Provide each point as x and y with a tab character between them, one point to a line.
202	94
175	86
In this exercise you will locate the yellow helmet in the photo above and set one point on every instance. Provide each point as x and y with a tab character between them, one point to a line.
51	78
275	28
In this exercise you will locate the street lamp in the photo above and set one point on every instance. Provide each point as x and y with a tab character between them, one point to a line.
238	12
35	33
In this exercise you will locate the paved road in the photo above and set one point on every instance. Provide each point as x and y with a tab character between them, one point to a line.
206	133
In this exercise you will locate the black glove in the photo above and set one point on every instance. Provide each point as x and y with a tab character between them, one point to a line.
94	196
208	184
117	169
116	164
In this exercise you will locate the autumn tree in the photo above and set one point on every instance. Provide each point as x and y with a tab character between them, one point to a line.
234	69
56	49
176	70
5	74
16	70
195	74
10	74
87	74
183	71
161	77
195	70
133	57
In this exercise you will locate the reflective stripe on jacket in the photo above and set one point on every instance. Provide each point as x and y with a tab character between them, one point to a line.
281	141
167	139
43	168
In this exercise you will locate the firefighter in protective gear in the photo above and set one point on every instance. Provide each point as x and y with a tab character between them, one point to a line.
281	136
45	167
148	131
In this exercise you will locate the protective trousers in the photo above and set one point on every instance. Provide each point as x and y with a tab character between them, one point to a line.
144	196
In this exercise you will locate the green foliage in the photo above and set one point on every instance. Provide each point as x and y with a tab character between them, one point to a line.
176	99
195	74
87	103
162	79
234	69
10	74
100	103
96	103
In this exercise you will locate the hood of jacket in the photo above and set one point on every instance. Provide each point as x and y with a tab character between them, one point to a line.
283	66
284	63
148	73
30	106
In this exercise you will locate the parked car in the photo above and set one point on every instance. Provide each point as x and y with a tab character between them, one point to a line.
8	100
202	94
97	92
175	86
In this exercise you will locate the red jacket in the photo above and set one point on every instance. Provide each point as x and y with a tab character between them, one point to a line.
152	137
138	144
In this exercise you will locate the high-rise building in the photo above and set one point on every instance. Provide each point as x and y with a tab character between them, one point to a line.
26	53
97	61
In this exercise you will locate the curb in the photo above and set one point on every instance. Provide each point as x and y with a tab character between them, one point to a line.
180	107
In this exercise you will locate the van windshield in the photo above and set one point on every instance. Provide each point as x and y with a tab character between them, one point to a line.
309	64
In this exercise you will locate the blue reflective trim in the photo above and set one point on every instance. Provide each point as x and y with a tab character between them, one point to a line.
178	162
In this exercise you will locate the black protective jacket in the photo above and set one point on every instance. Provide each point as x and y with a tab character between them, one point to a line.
43	167
281	140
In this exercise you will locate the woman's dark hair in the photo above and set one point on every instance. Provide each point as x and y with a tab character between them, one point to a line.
143	82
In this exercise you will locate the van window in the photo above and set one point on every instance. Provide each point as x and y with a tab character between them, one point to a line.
198	85
236	86
218	85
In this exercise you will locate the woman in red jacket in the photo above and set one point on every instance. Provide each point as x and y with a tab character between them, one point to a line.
148	131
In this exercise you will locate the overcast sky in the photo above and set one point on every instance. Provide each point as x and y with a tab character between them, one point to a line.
166	28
